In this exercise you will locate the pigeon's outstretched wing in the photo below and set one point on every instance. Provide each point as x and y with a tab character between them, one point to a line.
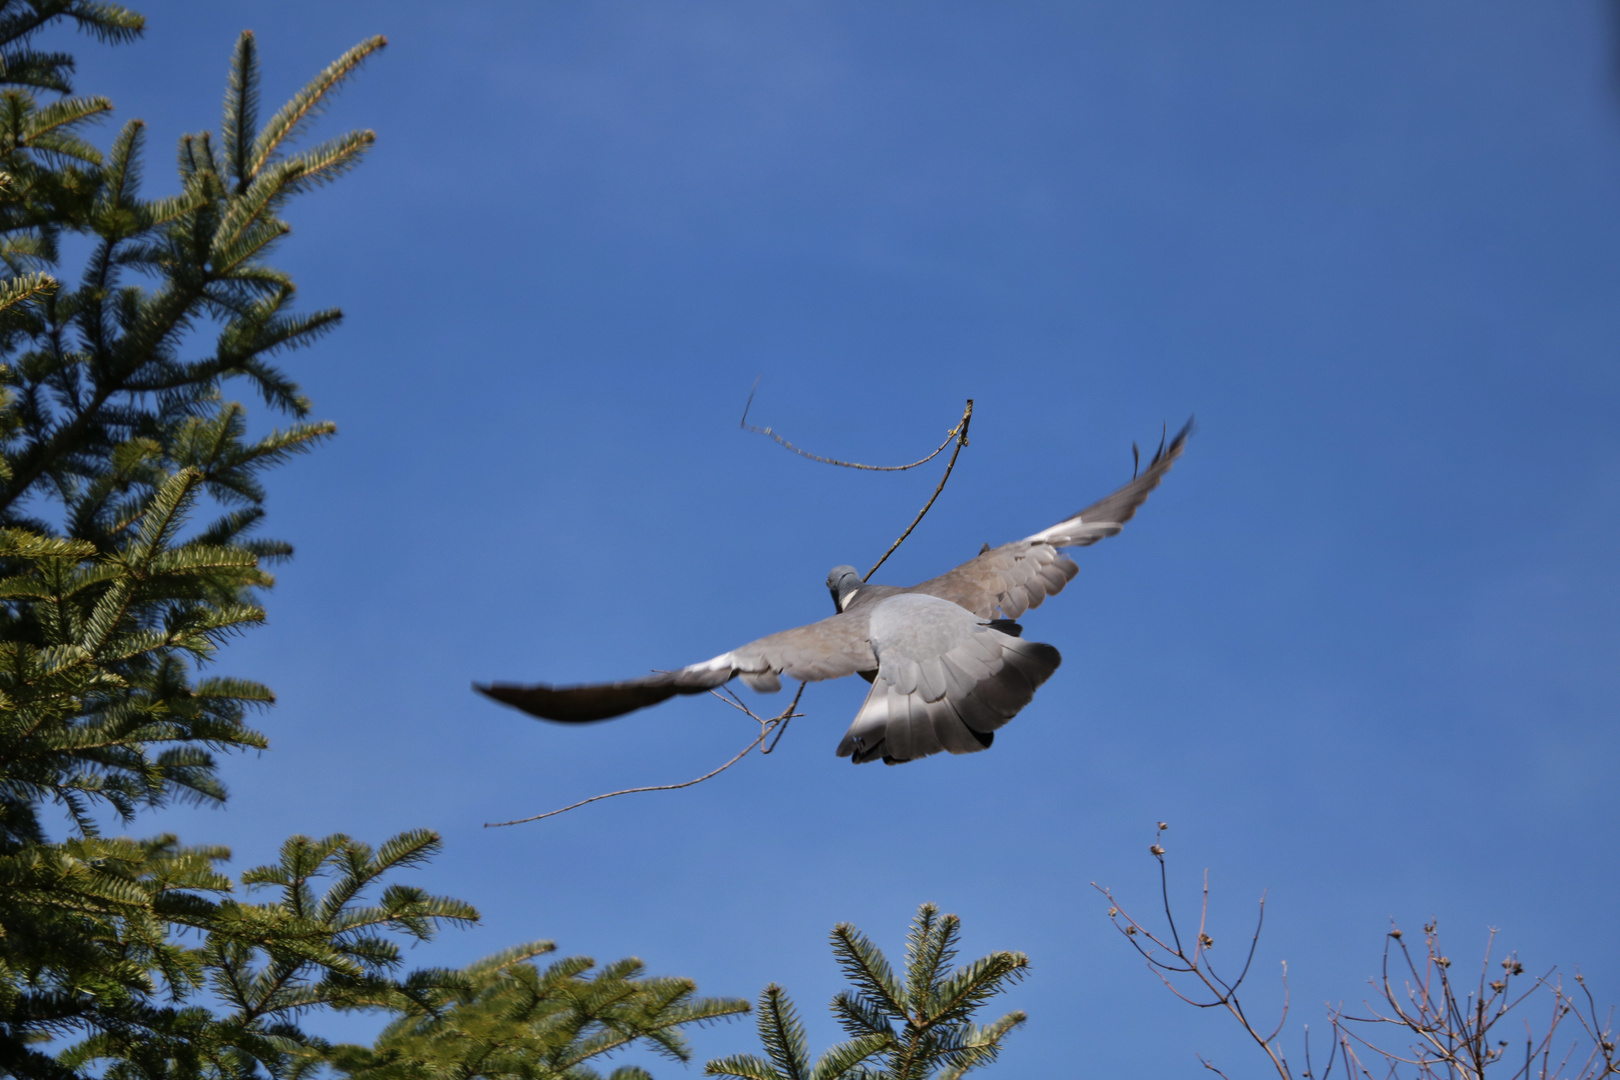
946	680
829	649
945	672
1015	577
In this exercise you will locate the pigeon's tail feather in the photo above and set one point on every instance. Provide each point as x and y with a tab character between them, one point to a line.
896	726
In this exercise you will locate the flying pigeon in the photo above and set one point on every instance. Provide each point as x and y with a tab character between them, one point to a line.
946	661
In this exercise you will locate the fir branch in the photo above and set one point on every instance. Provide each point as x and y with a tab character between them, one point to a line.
938	1039
110	23
929	951
121	173
23	288
304	105
57	117
241	111
41	71
864	964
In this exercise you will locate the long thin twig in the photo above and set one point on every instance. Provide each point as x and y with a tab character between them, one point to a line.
961	441
1436	1028
778	724
766	727
1167	956
746	426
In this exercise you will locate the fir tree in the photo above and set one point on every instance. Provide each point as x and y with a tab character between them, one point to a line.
130	498
139	958
913	1027
110	439
505	1017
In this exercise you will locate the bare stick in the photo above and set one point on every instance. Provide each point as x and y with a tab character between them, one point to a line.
1195	962
778	724
746	426
780	731
766	727
961	434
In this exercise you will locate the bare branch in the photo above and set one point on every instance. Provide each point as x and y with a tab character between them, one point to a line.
961	435
1287	996
1223	995
775	723
952	434
1440	1030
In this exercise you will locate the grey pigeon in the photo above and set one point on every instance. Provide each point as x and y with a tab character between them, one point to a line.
945	658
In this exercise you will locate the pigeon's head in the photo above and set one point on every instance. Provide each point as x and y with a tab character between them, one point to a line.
842	583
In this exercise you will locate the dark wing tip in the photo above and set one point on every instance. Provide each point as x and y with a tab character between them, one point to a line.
1120	506
579	704
1174	449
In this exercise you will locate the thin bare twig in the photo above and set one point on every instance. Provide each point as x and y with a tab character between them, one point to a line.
1422	1024
961	434
746	426
778	724
1195	961
781	730
766	727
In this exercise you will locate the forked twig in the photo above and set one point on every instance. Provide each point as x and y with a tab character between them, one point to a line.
961	440
1422	1024
959	434
1167	956
775	723
746	426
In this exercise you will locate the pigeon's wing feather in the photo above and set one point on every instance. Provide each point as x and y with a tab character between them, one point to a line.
1018	576
829	649
910	707
1010	579
1108	515
945	681
602	701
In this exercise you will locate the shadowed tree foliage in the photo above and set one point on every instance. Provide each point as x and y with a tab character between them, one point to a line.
130	498
908	1027
114	435
507	1017
111	438
130	495
259	965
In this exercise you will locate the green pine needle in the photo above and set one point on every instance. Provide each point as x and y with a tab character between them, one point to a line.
932	1005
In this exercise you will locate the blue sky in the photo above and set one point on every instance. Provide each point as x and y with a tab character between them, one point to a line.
1359	650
